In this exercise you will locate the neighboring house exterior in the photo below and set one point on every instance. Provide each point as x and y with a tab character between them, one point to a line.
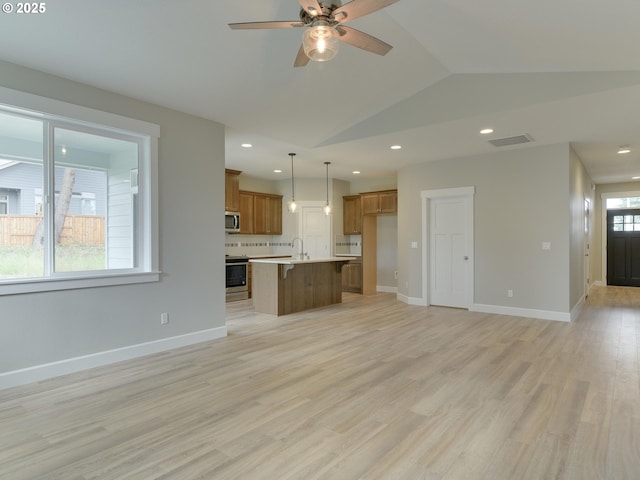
21	190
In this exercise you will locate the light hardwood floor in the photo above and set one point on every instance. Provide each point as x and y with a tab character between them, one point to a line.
371	389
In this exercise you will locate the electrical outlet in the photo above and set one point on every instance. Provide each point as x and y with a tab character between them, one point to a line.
509	293
164	318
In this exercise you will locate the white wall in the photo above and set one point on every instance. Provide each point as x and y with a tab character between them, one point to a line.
521	200
363	185
50	327
255	184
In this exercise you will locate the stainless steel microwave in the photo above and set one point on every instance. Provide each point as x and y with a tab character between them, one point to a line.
232	222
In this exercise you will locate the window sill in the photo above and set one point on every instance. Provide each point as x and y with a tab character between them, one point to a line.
20	286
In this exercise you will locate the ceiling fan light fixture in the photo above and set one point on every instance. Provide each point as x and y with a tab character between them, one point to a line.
321	42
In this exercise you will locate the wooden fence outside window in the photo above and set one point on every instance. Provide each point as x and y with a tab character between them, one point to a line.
18	230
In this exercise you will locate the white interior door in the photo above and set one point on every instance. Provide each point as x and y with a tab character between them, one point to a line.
316	232
449	255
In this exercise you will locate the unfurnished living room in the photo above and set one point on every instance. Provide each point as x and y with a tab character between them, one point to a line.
428	267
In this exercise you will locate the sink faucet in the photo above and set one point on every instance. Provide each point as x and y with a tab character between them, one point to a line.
301	254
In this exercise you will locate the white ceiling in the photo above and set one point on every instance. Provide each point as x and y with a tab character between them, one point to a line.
559	70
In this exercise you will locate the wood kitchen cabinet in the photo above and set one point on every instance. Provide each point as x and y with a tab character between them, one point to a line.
260	213
246	212
375	203
351	215
352	276
232	190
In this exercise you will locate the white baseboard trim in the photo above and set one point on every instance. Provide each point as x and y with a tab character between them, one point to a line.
411	300
71	365
600	283
382	288
521	312
577	309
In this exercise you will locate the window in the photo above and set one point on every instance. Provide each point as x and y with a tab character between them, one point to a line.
626	223
629	202
77	220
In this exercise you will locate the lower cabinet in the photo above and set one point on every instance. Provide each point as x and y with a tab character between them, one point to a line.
352	276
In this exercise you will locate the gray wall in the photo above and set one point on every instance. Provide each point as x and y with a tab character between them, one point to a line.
47	327
579	190
521	200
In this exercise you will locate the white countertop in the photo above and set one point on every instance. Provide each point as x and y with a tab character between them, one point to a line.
356	255
294	261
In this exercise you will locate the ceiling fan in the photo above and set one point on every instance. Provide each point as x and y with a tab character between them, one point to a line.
325	19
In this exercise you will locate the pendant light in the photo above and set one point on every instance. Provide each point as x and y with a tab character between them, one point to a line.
292	206
327	207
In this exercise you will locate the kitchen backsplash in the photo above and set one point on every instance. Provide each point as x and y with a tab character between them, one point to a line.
281	245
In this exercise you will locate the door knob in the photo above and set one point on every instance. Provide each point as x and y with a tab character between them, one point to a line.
465	257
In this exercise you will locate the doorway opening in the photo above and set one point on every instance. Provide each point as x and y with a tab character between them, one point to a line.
621	239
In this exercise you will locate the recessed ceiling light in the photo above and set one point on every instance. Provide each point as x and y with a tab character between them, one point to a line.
246	145
486	131
277	171
635	178
396	147
624	149
356	172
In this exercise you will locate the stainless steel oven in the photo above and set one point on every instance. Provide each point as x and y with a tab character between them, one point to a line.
236	272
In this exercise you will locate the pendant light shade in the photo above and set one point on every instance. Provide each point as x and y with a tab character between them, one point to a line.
292	206
320	42
327	206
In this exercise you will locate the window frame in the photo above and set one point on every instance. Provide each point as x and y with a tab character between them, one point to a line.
57	113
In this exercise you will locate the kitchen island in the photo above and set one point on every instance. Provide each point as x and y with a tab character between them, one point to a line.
286	285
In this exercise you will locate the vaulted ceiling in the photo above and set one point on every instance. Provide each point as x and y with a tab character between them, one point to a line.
559	71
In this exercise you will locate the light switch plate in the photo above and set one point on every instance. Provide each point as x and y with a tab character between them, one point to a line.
414	244
546	245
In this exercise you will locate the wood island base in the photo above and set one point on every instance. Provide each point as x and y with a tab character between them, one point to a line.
280	287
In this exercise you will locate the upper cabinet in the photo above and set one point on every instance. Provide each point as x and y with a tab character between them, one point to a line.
351	215
246	212
375	203
260	213
232	190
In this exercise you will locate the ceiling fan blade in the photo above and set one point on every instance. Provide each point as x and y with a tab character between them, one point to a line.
263	25
363	40
301	58
312	7
359	8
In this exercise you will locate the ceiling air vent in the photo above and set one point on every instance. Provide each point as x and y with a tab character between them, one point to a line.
505	142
